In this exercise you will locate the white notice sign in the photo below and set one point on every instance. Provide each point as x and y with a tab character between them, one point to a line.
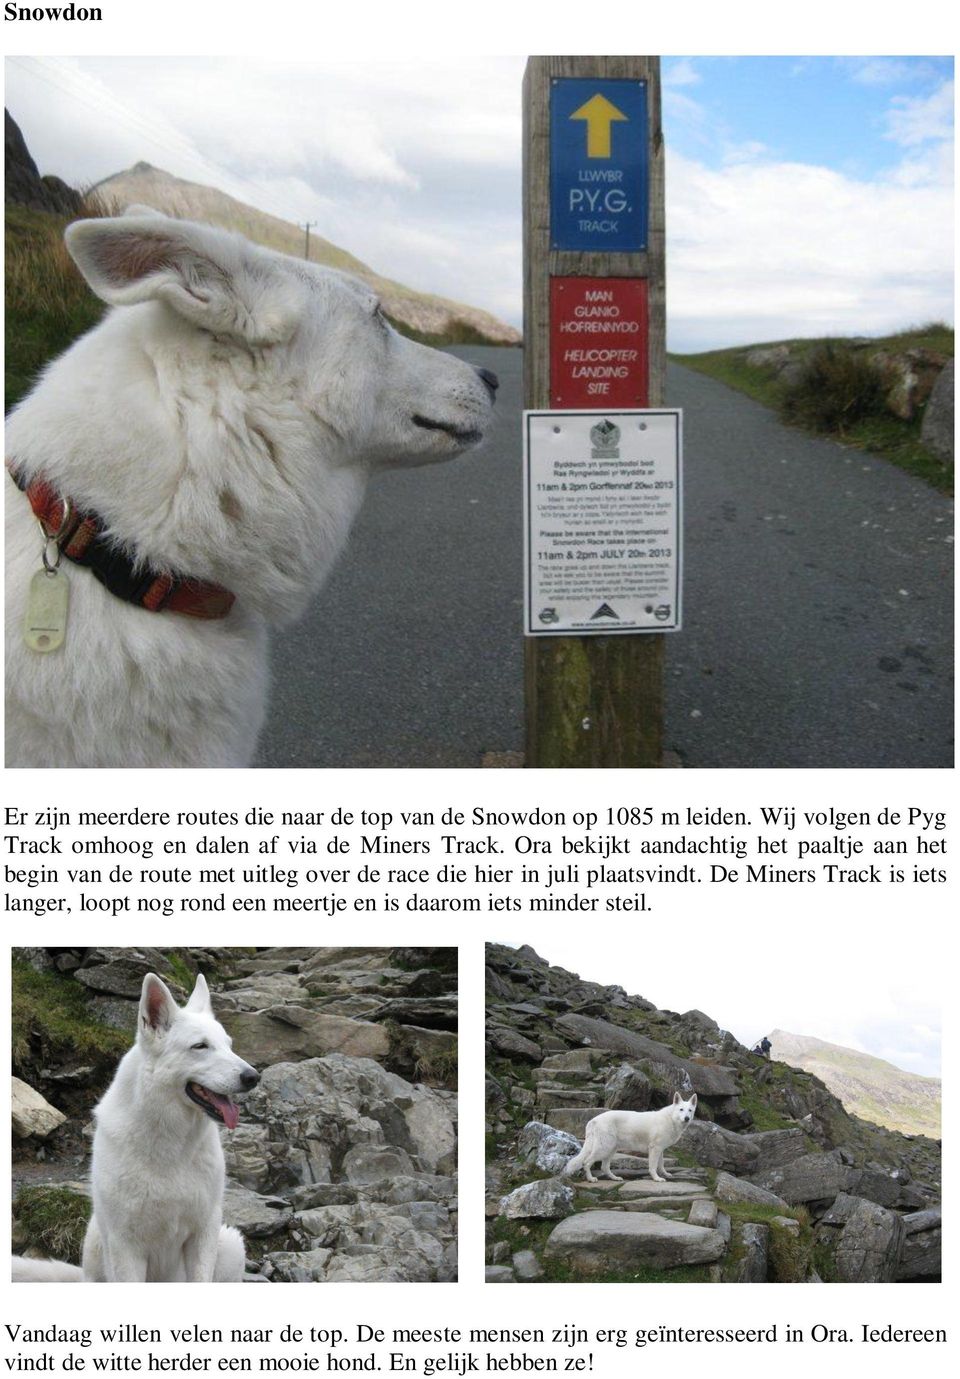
602	521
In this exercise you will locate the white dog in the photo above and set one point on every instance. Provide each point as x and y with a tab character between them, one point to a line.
203	452
633	1132
158	1168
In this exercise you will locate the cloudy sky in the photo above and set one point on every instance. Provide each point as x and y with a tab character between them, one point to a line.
805	195
832	986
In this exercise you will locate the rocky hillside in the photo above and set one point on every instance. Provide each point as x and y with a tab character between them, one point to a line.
868	1087
22	183
421	313
343	1166
772	1182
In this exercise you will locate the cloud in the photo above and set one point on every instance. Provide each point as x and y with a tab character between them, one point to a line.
681	73
913	120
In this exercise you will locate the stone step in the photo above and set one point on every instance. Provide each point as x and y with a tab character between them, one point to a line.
549	1097
601	1242
675	1187
666	1204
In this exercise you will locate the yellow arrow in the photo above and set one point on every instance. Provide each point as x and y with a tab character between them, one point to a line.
599	114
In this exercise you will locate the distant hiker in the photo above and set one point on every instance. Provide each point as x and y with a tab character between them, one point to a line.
763	1048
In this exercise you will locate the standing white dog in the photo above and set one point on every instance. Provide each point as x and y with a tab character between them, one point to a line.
158	1169
196	462
633	1132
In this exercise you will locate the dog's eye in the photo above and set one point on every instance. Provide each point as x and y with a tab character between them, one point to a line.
202	1045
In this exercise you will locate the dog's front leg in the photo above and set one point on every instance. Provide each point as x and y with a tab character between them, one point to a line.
200	1252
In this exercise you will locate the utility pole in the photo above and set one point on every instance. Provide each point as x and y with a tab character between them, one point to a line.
594	253
310	225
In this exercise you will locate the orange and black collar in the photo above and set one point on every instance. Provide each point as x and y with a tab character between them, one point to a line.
80	537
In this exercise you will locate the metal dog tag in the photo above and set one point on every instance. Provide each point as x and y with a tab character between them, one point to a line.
45	624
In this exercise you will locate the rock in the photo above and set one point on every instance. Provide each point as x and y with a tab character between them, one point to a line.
572	1120
366	1163
703	1213
254	1215
876	1185
772	357
31	1113
730	1189
936	432
786	1223
628	1089
115	1012
246	1153
750	1265
574	1061
545	1147
123	976
715	1147
865	1240
514	1045
920	1257
777	1147
300	1266
287	1032
705	1079
498	1273
647	1187
812	1178
526	1267
545	1199
697	1017
438	1012
600	1242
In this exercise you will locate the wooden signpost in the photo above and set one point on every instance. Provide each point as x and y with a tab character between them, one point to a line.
594	338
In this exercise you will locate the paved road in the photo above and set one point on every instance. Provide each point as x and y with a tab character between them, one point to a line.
818	611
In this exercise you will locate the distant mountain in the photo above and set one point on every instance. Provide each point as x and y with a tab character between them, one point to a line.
868	1087
421	313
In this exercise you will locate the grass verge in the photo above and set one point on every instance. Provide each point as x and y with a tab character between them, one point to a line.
52	1221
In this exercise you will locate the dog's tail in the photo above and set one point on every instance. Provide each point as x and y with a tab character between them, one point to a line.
577	1162
45	1271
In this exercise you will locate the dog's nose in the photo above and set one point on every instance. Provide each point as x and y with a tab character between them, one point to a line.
249	1079
490	381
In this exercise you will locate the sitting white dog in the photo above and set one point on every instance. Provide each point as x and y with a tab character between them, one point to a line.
195	462
633	1132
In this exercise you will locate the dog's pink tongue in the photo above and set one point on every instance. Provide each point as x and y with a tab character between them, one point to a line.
227	1108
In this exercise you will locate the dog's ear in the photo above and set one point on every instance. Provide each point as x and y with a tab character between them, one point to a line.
158	1009
212	278
199	1002
677	1098
693	1101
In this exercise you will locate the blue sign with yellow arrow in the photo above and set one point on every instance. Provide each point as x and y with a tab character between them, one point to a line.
599	169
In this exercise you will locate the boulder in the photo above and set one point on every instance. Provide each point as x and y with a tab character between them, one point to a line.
498	1273
777	1147
865	1240
512	1044
574	1061
286	1032
704	1078
31	1114
730	1189
749	1264
876	1185
572	1120
703	1213
628	1089
295	1266
366	1163
920	1257
254	1215
715	1147
526	1267
545	1199
601	1242
936	432
772	357
123	975
545	1147
811	1178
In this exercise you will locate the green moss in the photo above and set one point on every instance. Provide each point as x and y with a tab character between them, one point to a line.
51	1019
52	1221
765	1116
180	970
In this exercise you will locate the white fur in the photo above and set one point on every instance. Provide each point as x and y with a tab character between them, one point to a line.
158	1170
633	1132
223	420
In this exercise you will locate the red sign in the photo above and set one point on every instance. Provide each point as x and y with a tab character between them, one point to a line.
599	346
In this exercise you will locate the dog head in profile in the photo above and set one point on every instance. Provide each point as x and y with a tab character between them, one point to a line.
189	1049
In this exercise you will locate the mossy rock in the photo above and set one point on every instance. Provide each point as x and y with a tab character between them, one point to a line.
51	1221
